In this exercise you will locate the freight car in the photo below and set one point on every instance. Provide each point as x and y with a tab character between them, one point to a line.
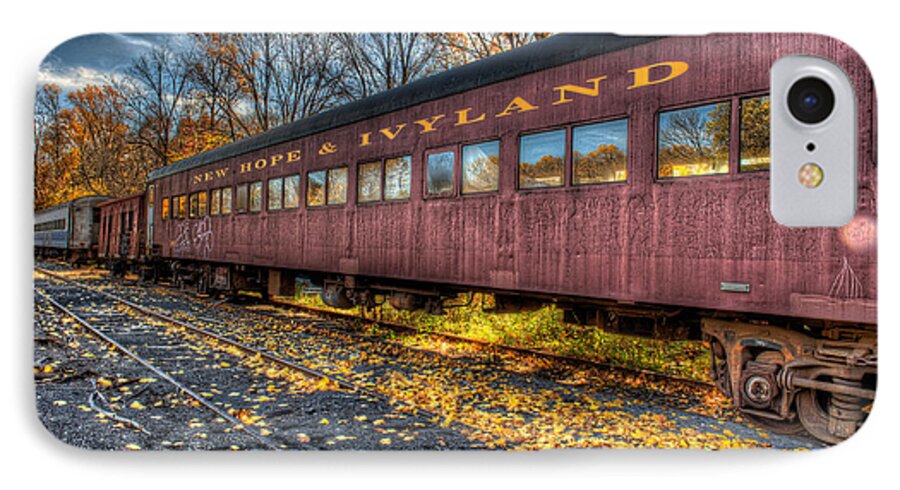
68	230
121	245
560	173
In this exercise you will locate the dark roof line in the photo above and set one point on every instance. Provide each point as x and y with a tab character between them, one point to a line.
548	53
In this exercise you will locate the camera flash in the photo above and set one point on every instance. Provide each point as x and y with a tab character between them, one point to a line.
811	175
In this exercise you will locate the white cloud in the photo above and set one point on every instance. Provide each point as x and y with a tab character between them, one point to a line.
73	78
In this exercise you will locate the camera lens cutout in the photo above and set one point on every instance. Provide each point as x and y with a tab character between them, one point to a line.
810	100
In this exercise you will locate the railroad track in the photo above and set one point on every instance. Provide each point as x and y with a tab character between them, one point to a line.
98	329
342	348
560	358
100	326
344	317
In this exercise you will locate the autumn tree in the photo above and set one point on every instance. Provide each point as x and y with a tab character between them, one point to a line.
216	91
172	103
755	134
52	175
457	49
154	88
99	143
373	63
546	171
599	165
693	137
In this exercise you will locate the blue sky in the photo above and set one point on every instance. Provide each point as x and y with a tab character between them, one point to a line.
585	140
91	58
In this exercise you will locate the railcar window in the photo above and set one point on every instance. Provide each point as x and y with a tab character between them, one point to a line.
256	189
315	188
396	177
202	205
480	167
215	202
241	193
182	206
439	173
57	224
165	208
194	202
542	159
226	200
292	191
369	182
276	187
337	185
599	152
694	141
754	154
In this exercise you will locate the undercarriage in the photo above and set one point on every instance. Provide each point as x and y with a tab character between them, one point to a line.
819	379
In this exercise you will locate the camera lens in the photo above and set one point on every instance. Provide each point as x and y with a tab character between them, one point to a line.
811	100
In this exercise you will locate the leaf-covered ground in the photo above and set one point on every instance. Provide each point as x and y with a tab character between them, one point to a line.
544	329
501	402
92	396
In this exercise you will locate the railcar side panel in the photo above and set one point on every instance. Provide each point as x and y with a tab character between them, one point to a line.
646	240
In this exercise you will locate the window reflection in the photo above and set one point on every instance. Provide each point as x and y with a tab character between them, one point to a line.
241	194
542	159
369	182
256	197
275	194
439	173
292	191
315	188
599	152
396	178
754	134
337	185
694	141
480	167
226	200
215	202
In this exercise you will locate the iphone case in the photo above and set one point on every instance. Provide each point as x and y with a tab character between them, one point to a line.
565	244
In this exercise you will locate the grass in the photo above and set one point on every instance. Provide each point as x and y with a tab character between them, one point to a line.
544	329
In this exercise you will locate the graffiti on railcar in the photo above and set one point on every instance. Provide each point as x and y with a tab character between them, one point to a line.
194	237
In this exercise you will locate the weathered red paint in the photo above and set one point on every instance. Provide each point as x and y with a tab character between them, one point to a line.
120	239
670	242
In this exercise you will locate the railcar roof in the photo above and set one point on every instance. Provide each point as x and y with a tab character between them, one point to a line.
120	199
548	53
68	203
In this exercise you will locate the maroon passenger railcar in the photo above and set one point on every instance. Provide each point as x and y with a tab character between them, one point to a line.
552	173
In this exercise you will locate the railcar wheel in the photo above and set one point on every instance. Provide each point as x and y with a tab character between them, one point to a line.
812	411
830	417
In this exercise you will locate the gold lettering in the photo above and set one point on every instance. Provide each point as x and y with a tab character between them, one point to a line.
428	124
221	172
246	167
260	164
327	148
208	176
519	105
578	89
198	179
275	159
365	139
387	132
642	74
293	156
463	117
